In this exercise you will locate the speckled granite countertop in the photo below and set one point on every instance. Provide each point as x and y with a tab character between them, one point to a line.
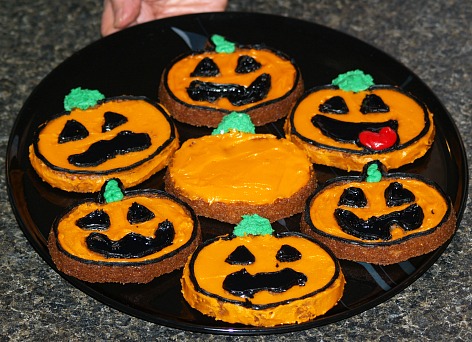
432	38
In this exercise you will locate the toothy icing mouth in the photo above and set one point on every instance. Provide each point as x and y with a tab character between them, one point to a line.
369	135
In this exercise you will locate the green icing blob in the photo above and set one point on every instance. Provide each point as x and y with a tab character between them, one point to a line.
253	225
354	80
235	121
222	45
112	192
373	174
82	98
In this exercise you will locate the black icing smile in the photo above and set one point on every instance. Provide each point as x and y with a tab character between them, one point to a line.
132	245
349	131
237	94
245	285
375	227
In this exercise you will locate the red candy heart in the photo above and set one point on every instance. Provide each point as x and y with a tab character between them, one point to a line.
378	141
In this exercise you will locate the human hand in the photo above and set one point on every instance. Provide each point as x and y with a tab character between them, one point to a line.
120	14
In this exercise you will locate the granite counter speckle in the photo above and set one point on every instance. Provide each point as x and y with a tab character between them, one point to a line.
432	38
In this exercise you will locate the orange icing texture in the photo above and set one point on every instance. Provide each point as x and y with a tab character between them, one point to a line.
428	198
210	270
282	71
236	166
72	238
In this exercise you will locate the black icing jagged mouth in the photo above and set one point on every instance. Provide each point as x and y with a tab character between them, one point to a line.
349	132
132	245
375	227
245	285
237	94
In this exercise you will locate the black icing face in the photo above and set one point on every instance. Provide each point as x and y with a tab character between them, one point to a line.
244	284
378	227
237	95
132	245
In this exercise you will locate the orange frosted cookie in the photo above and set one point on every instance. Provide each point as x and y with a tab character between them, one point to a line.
124	237
226	175
200	88
260	278
378	217
127	137
352	122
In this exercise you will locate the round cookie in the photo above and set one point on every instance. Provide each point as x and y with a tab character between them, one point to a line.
262	278
124	237
352	122
230	174
379	218
127	137
200	88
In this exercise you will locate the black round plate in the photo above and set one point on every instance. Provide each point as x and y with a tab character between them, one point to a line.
131	62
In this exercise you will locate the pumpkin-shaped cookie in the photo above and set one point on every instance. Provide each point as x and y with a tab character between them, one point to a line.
379	217
127	137
199	88
352	122
257	277
232	173
124	237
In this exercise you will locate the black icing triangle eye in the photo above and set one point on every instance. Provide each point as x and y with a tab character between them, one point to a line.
205	68
396	195
373	104
73	130
288	253
138	213
353	197
240	256
334	105
96	220
247	64
113	120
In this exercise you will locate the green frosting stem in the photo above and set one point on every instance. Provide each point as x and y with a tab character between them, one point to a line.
235	121
354	80
112	192
222	45
373	174
253	225
82	98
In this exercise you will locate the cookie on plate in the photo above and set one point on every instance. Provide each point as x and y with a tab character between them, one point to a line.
200	88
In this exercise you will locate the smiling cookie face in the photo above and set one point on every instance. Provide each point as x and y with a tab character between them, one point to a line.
213	84
79	149
387	217
347	129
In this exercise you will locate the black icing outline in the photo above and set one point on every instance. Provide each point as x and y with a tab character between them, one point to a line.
247	303
238	47
159	149
361	178
130	193
364	151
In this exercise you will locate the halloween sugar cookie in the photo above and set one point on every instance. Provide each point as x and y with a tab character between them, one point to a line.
200	88
379	217
124	237
97	139
235	172
352	122
257	277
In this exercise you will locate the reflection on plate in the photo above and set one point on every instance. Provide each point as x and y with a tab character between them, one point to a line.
131	62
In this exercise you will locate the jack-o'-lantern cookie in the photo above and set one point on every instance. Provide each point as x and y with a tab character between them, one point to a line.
200	88
124	236
257	277
378	217
97	139
352	122
234	172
